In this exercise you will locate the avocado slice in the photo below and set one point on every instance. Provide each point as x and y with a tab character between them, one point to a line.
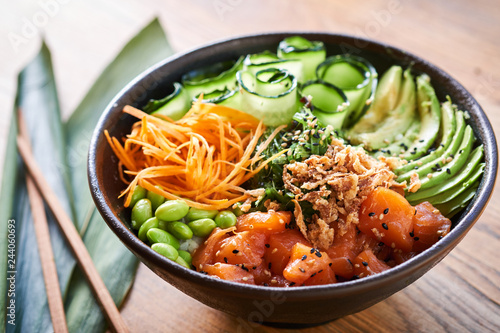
449	209
397	121
447	190
401	145
453	192
423	169
430	116
444	171
385	100
448	127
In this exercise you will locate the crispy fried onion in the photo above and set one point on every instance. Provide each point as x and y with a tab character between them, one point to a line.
335	184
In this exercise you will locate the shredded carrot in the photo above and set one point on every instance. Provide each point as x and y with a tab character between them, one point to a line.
203	158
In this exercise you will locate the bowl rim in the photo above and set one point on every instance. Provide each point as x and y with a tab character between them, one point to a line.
426	258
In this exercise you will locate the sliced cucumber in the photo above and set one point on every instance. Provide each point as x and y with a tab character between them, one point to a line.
219	76
270	95
356	77
329	102
310	53
173	106
258	62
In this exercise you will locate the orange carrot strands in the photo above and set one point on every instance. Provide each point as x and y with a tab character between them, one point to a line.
203	158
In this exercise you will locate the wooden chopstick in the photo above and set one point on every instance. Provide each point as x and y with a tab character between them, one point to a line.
49	270
72	236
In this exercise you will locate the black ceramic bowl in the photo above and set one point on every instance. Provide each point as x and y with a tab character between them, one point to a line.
297	305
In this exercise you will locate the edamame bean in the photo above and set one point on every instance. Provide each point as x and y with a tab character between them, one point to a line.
186	256
156	199
172	210
182	262
179	230
151	223
225	219
156	235
237	210
202	227
163	225
196	214
141	212
166	250
139	193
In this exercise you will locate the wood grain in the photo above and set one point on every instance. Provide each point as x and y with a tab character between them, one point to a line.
462	293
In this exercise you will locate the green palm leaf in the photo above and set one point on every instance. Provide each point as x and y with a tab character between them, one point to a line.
113	261
62	158
37	98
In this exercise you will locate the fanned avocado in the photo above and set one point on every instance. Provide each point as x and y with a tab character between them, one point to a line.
396	122
448	190
454	206
448	127
424	169
430	118
401	145
385	100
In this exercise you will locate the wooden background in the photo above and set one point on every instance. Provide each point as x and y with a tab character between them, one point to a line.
461	294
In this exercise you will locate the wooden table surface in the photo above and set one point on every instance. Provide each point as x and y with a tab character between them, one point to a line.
461	294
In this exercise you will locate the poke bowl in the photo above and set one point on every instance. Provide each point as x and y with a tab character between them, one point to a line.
296	304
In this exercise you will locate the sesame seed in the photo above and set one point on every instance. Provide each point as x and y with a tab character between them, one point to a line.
429	175
386	211
304	257
274	250
267	245
356	265
393	245
235	251
448	171
302	270
371	214
385	226
313	250
416	238
274	281
318	254
364	263
313	274
412	233
225	260
244	278
269	265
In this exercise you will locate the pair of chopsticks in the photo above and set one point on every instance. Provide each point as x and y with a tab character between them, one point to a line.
38	191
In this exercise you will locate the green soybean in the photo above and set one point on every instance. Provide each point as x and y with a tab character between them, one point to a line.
237	210
196	214
225	219
156	235
143	230
182	262
163	225
179	230
186	256
172	210
141	212
138	194
166	250
156	199
202	227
